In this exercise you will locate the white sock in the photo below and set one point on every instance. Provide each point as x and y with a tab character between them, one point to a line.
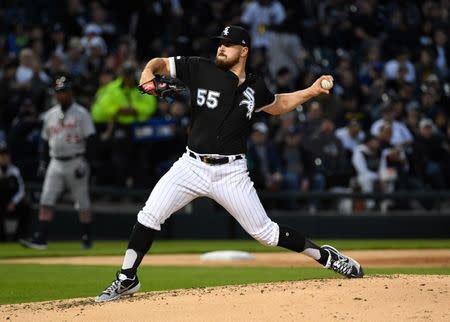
129	259
312	252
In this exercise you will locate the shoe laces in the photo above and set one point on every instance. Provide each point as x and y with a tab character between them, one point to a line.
341	265
114	285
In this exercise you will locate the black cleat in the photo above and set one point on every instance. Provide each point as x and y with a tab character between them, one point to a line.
342	264
86	242
33	243
120	287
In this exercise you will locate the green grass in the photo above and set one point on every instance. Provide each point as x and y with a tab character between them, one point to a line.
200	246
29	283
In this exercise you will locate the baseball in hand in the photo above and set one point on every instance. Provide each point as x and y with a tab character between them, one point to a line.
326	84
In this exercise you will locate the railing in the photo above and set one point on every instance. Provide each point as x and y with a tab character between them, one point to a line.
115	212
279	195
118	193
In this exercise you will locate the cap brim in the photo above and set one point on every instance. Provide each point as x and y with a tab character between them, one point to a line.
219	38
62	89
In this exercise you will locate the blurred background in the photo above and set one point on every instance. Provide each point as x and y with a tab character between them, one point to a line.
371	159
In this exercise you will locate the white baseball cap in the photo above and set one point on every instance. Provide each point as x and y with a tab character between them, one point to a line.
425	122
93	28
261	127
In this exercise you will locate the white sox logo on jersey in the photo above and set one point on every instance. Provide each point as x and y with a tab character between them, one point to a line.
249	101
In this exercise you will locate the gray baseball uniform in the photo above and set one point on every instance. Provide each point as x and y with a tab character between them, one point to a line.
66	134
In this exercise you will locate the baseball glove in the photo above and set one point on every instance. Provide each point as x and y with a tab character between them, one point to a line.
163	86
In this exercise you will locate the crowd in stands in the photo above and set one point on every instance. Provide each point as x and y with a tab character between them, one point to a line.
384	127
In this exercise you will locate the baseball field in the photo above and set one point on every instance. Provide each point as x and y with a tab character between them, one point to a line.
406	280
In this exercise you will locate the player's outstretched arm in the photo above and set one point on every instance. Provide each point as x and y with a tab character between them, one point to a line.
155	66
286	102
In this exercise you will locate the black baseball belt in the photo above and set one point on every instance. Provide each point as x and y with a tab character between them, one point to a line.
213	160
68	158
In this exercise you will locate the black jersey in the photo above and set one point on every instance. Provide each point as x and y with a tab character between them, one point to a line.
221	110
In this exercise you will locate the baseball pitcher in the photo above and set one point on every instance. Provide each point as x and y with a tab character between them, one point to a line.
224	99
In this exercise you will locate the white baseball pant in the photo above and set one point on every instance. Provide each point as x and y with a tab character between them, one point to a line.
228	184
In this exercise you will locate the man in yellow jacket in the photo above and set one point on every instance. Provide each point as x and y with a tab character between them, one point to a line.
117	105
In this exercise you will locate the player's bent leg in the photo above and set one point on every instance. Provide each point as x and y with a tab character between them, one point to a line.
180	185
326	255
240	199
119	287
235	192
127	282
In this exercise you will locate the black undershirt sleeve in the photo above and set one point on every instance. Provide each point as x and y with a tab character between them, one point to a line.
263	96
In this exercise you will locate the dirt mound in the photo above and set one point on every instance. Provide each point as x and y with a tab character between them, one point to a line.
379	298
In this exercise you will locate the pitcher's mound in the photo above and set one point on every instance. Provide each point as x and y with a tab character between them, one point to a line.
379	298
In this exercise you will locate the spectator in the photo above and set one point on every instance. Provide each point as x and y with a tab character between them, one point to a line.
28	66
429	98
123	53
74	17
9	96
24	139
327	156
349	110
100	20
174	125
12	196
346	84
120	104
75	60
395	168
371	67
441	120
263	160
38	86
285	49
427	64
443	52
293	160
58	40
261	16
400	133
350	136
385	136
400	68
412	119
313	120
367	25
366	160
92	39
431	156
95	58
287	122
55	65
283	80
